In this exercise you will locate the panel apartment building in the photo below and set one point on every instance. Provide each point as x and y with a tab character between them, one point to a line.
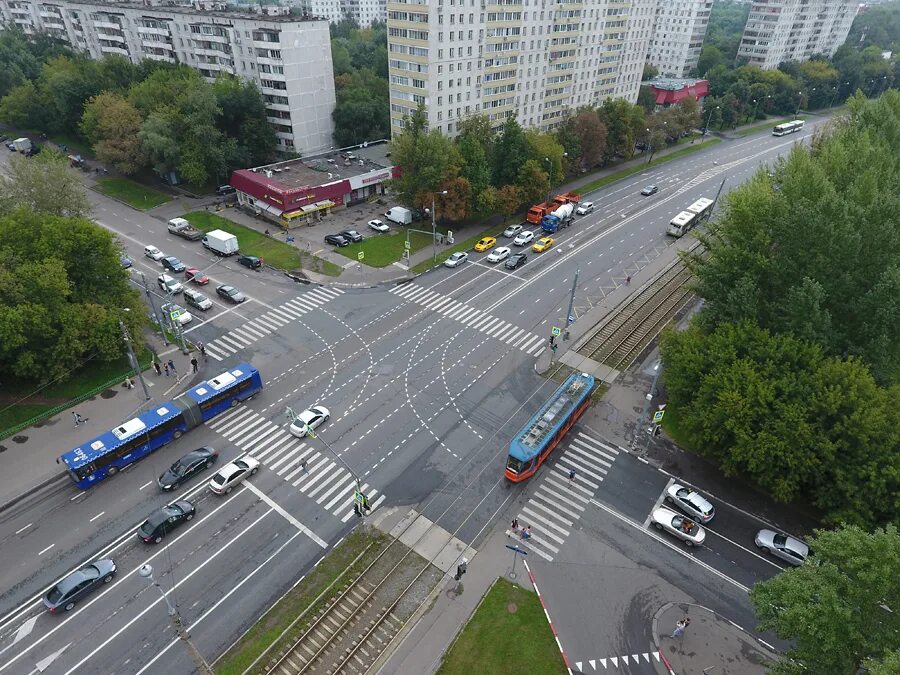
678	32
288	58
794	30
531	59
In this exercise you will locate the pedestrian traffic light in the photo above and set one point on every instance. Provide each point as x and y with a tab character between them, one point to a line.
657	431
356	510
554	348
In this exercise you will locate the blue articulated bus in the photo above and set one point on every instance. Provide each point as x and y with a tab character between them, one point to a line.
114	450
534	443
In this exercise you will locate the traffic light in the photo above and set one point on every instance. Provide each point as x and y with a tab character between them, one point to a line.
356	510
554	348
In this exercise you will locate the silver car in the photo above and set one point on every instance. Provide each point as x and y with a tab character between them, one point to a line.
676	524
782	546
456	259
692	503
512	231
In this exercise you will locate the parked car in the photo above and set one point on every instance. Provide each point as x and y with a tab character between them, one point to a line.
196	299
311	418
650	190
456	259
164	520
336	240
154	253
515	261
187	467
498	254
379	226
195	276
782	546
78	584
168	285
584	208
182	315
223	190
512	231
231	294
485	243
232	474
692	503
681	526
351	235
250	261
173	264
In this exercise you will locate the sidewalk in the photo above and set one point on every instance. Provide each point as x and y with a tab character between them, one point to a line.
28	459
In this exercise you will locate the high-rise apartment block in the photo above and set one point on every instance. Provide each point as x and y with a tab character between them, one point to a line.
364	12
793	30
678	32
535	60
289	58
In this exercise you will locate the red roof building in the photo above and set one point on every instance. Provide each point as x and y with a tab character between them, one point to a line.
669	91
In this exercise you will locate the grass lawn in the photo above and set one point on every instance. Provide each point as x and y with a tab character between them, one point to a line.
507	634
275	252
134	194
385	249
444	252
336	568
75	145
672	425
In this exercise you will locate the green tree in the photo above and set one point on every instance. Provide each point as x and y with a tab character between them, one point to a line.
710	56
43	184
362	112
475	165
533	182
547	152
66	84
888	665
111	124
164	87
488	202
591	136
22	107
510	153
509	199
624	123
427	159
840	609
340	59
242	117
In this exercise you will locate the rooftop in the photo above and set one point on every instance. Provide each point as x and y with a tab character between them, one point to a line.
328	167
111	7
672	83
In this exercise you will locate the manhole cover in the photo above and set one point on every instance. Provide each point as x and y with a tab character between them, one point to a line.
512	608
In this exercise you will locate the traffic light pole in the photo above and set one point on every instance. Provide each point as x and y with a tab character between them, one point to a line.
647	400
569	318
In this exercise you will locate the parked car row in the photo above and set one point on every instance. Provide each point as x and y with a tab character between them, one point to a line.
344	237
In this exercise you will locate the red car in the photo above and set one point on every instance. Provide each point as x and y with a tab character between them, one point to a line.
195	275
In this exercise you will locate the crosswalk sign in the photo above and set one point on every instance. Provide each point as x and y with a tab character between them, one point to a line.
658	416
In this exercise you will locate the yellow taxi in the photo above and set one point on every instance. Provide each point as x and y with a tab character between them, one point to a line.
485	244
542	244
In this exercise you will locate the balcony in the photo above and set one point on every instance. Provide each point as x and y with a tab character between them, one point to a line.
106	49
112	37
159	57
153	30
154	44
107	24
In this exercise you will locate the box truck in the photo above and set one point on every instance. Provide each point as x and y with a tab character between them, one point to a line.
220	242
399	215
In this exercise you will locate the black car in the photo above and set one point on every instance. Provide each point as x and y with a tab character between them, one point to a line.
164	520
515	261
336	240
223	190
231	294
174	264
250	261
187	467
78	584
352	235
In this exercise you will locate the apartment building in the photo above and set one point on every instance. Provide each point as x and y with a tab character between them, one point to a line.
678	32
530	59
288	58
364	12
794	30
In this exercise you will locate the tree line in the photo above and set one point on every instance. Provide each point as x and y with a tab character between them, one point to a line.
151	115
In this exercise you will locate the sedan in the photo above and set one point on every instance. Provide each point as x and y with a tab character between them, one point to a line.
650	190
174	264
176	313
782	546
499	254
168	285
543	244
336	240
187	467
154	253
512	231
231	294
250	261
682	527
352	235
516	261
194	275
164	520
309	419
524	238
379	226
485	243
456	259
233	473
692	503
70	590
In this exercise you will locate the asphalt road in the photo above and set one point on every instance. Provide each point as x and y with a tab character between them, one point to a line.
426	383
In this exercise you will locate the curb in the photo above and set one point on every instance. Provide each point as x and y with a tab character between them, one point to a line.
9	503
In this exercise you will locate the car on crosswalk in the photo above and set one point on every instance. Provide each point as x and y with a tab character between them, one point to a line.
498	254
187	467
233	474
678	525
311	418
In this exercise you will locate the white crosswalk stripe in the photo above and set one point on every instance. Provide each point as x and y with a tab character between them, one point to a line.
557	503
454	310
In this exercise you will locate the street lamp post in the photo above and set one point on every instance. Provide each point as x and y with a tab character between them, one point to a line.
708	118
569	317
434	227
162	328
549	177
312	434
837	88
200	663
132	359
799	101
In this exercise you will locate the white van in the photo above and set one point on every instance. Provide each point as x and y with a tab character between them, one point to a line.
399	215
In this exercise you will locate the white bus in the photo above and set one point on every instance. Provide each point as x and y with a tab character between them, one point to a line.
702	207
787	128
695	214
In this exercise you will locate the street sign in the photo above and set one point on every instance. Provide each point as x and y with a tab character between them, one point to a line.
555	331
405	245
174	314
517	549
359	497
361	255
658	416
571	318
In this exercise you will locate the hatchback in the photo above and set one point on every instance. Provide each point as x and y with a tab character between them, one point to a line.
782	546
74	587
456	259
692	503
515	261
650	190
173	264
168	285
250	261
512	231
197	299
164	520
231	294
336	240
195	276
177	313
125	261
154	253
187	467
232	474
351	235
312	418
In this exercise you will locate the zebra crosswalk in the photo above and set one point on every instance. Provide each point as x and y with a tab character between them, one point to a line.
314	474
491	326
557	503
265	324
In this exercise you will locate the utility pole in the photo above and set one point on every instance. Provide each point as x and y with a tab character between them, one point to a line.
162	328
716	199
132	359
200	663
647	400
569	317
312	434
434	227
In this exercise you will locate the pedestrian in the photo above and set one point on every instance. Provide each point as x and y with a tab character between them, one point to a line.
628	280
515	524
679	629
158	369
76	417
526	532
202	348
303	465
571	476
171	365
128	383
194	363
167	369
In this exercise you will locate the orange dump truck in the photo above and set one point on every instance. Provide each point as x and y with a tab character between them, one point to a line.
538	211
567	198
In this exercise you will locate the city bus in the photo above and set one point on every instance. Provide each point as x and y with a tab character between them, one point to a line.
110	452
787	128
696	213
534	443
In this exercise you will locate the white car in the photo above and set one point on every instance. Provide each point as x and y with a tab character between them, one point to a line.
233	473
512	231
379	226
681	526
154	253
524	238
168	285
184	317
585	208
499	254
456	259
311	418
692	503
